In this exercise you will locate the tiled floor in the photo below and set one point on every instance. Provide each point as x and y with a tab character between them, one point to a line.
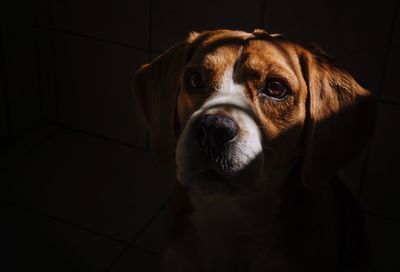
74	202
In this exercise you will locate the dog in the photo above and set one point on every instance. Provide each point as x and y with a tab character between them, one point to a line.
259	126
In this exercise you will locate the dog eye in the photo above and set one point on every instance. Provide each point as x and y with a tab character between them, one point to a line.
275	89
193	80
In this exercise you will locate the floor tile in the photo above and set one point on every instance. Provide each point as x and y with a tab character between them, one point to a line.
95	88
25	144
381	190
124	22
32	242
172	22
384	237
136	260
154	238
103	186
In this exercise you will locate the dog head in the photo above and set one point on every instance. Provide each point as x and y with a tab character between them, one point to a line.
238	109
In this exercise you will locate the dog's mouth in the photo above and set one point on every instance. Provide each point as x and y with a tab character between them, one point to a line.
219	153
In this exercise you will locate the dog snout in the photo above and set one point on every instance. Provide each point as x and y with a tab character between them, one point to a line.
214	132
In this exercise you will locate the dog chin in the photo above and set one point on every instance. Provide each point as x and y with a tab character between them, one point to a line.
213	179
210	182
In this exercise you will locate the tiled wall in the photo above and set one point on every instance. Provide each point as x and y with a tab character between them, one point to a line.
19	82
87	62
71	62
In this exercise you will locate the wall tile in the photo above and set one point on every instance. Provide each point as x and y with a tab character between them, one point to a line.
381	192
20	53
124	22
352	174
391	89
345	30
95	91
3	116
43	13
173	20
47	75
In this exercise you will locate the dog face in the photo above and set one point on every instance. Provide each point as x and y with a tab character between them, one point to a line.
242	108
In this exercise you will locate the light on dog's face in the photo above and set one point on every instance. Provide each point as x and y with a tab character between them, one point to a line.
237	106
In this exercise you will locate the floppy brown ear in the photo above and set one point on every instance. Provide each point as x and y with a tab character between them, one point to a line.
155	88
339	121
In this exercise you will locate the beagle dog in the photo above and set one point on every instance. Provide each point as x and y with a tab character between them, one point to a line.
259	126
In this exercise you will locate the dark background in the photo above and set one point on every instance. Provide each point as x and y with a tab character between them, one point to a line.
79	190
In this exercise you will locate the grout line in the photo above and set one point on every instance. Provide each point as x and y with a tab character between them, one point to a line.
39	72
367	156
384	101
389	46
54	115
55	218
382	216
148	223
54	60
130	244
380	91
31	150
4	86
72	33
145	250
92	134
149	53
55	85
23	133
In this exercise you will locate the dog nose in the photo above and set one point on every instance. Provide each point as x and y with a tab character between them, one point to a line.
213	132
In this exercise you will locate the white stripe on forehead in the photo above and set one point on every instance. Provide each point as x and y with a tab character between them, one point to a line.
227	84
228	92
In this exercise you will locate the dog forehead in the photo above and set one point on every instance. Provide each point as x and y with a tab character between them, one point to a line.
218	51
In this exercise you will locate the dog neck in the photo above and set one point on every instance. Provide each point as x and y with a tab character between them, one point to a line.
230	231
263	233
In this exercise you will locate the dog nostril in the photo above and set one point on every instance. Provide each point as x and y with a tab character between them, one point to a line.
213	132
200	134
224	131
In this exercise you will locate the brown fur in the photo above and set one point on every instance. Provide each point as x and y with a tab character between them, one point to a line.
324	123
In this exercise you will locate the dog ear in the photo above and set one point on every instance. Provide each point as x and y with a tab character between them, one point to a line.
340	119
156	86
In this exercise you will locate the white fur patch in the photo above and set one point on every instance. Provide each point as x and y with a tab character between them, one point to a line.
249	146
